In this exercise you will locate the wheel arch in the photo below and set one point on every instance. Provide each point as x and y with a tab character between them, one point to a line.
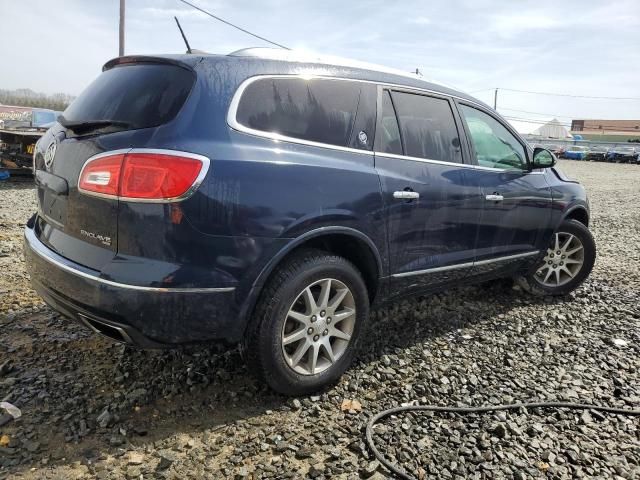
578	213
350	243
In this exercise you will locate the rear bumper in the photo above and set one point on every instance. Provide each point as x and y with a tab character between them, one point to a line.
151	317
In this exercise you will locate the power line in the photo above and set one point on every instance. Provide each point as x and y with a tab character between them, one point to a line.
605	128
539	113
568	94
554	94
481	90
534	120
233	25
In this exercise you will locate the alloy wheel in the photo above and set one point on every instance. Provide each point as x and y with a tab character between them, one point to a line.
319	326
563	261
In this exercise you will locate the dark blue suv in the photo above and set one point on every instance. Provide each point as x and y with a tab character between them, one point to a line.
270	200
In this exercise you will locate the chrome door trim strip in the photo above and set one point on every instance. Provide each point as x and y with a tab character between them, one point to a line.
465	265
433	270
46	254
508	257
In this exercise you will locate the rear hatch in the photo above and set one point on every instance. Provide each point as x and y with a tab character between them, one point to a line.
121	109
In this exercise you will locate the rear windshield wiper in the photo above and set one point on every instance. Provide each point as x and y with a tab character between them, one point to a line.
85	125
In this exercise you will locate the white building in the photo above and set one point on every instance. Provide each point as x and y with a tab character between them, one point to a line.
541	129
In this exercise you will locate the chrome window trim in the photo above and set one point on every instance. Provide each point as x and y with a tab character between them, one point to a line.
465	265
234	124
463	165
206	163
276	137
48	255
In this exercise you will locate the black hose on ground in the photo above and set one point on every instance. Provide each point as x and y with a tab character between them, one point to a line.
463	410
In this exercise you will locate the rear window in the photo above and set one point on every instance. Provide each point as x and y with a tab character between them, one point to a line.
317	110
141	95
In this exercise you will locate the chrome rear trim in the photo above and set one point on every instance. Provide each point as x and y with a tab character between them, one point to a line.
53	258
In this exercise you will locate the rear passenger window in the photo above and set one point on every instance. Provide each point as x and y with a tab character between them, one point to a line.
317	110
388	140
427	127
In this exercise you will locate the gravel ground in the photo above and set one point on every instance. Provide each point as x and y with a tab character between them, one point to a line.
94	409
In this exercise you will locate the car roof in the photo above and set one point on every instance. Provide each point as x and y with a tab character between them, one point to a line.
350	68
274	61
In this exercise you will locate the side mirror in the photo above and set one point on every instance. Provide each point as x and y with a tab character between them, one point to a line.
543	158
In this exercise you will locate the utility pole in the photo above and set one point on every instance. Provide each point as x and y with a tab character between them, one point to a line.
121	42
495	98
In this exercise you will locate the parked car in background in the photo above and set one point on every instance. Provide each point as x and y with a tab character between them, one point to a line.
557	150
622	155
597	153
270	201
576	152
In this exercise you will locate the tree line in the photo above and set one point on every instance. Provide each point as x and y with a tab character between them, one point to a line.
25	97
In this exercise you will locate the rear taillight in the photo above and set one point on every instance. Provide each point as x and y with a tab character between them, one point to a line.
101	175
143	175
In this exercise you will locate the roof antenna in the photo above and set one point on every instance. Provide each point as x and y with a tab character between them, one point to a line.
183	36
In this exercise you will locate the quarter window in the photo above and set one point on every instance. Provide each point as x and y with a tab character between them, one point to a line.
317	110
427	127
495	146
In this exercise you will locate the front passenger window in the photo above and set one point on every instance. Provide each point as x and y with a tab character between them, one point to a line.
495	146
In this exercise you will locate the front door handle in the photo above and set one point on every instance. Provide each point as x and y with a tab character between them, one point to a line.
494	198
406	194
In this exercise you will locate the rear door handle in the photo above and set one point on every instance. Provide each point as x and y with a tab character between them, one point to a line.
405	195
494	198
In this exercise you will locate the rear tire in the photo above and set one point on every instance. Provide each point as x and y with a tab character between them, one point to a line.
567	262
307	323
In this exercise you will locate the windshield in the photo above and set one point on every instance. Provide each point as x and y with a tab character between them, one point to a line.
138	96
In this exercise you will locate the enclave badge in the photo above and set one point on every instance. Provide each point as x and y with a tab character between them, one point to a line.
101	238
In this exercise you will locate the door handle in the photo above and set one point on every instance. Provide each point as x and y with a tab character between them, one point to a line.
406	195
494	198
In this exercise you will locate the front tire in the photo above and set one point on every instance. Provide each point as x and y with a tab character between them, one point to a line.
307	323
566	264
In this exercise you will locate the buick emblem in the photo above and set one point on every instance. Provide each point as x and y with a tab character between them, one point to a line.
50	153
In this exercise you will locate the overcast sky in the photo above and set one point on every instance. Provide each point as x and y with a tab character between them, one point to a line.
581	47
